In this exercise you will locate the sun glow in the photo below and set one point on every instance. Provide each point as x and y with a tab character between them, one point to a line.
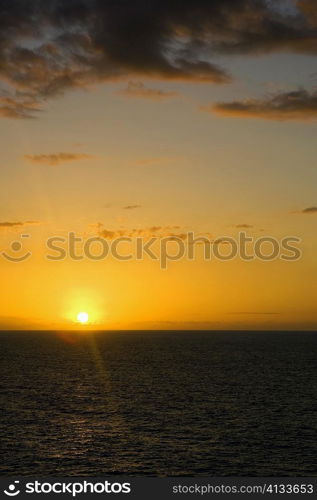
83	318
83	307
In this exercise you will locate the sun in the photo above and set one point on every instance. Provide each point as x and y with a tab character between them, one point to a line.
83	317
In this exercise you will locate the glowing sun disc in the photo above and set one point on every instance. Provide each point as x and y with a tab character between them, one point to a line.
83	317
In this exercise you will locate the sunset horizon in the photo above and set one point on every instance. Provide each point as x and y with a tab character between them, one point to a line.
158	247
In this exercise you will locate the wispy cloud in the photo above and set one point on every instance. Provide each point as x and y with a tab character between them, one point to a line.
296	105
13	107
243	226
309	210
57	158
12	225
131	207
139	90
172	231
255	313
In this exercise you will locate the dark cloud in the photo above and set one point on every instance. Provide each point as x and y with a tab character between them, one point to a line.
296	105
48	47
309	210
57	158
309	8
139	90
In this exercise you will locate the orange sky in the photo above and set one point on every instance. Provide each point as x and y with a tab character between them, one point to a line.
214	144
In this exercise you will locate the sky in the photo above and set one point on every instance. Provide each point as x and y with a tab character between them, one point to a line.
156	120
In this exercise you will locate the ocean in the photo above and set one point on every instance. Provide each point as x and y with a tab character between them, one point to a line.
159	403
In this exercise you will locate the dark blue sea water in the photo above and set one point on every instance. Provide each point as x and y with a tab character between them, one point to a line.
195	403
